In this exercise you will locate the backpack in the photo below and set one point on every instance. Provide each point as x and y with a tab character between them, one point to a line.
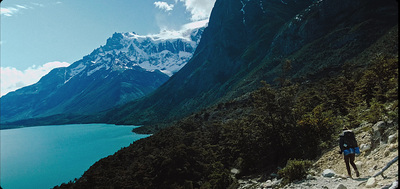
349	139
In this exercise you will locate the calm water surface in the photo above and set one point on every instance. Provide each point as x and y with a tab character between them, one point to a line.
45	156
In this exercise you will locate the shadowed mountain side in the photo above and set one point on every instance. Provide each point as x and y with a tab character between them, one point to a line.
247	43
209	74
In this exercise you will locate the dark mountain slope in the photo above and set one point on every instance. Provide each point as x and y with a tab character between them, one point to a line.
203	81
248	41
318	41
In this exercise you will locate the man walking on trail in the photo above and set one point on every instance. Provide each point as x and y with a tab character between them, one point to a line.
349	147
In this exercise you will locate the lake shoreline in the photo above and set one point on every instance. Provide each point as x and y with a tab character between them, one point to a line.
44	156
7	127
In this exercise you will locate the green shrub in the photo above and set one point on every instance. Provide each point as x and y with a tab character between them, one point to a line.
294	170
376	112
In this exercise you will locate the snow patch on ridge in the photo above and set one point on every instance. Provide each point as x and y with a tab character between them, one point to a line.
75	71
243	11
95	70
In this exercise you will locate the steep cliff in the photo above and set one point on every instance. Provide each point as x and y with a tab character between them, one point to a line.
249	41
214	68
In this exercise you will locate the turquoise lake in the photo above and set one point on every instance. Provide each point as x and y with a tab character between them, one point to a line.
46	156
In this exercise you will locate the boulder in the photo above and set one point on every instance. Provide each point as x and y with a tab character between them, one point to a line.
386	152
267	184
340	186
394	185
392	138
379	125
377	137
328	173
365	147
359	164
310	177
392	147
370	183
235	171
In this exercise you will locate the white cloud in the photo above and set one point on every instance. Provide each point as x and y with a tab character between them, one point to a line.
200	9
21	6
164	6
13	79
8	11
196	24
183	33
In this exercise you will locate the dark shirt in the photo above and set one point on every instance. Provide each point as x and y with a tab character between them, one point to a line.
341	141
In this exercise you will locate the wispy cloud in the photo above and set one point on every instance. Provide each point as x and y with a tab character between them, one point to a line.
199	9
9	11
12	10
183	33
196	24
21	7
38	4
13	79
164	6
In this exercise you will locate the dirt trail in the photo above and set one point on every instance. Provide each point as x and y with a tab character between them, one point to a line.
379	145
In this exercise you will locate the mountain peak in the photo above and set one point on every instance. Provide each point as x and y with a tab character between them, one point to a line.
167	51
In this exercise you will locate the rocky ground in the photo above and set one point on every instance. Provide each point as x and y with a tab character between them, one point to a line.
379	146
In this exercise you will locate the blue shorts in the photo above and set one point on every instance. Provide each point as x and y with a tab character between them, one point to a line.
355	150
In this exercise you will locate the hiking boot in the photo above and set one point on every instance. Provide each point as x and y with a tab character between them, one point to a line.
357	173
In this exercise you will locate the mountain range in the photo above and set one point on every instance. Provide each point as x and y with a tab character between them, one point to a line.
127	67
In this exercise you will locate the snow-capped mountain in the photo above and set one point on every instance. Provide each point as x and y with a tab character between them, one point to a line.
167	51
127	67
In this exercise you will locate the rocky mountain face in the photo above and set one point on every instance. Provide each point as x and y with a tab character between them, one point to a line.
212	71
127	67
247	41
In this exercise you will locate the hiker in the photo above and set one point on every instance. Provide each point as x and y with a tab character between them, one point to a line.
349	147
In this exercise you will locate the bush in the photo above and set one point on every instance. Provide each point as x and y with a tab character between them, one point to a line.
376	112
294	170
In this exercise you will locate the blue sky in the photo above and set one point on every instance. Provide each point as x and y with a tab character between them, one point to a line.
39	35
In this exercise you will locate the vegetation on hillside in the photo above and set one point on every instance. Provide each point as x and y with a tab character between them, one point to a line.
257	132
